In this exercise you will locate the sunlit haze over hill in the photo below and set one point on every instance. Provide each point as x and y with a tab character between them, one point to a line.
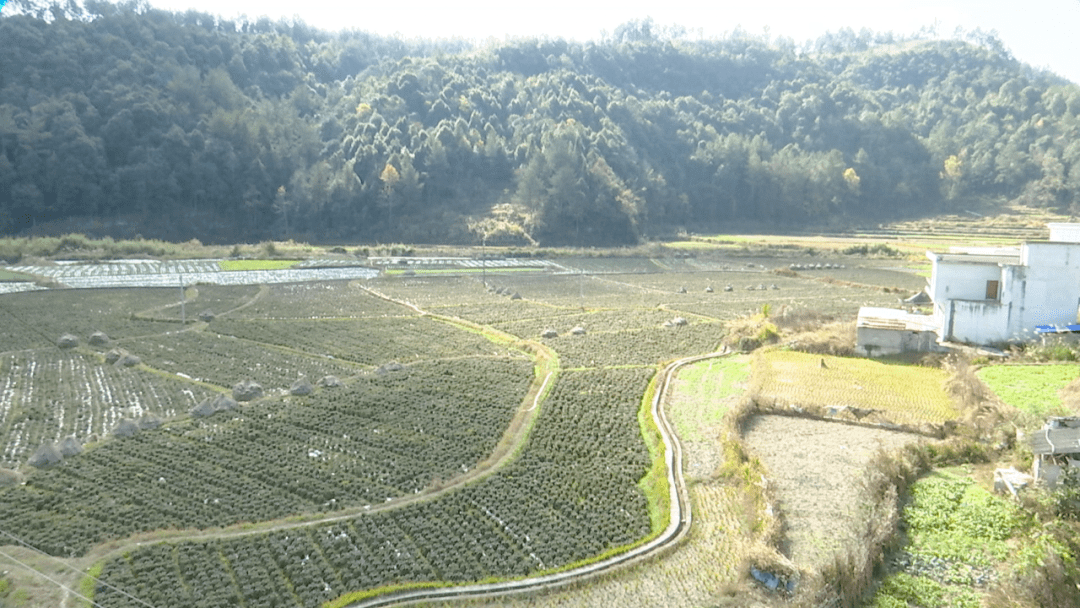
1041	33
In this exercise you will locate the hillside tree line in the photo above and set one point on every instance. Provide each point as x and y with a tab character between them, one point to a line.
120	117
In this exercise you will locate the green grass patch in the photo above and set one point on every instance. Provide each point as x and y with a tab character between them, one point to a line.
231	265
654	485
906	393
1034	389
708	385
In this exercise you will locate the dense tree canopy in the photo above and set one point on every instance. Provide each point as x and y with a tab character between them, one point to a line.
181	125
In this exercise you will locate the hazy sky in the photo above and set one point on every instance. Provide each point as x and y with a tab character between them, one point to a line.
1044	33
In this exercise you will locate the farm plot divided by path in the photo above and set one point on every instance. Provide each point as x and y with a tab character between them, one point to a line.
725	519
382	437
569	496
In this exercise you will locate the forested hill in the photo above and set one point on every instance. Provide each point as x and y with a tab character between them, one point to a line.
186	125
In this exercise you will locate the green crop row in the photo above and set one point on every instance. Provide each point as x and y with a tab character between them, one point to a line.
224	360
363	341
646	346
1034	389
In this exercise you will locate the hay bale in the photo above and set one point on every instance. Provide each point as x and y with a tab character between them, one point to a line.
45	456
149	422
709	289
679	321
578	331
681	290
128	360
729	287
67	341
213	405
113	356
301	387
204	409
207	316
549	333
390	367
99	338
70	446
247	390
329	382
126	428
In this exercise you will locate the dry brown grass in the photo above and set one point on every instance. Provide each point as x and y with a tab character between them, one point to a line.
1070	395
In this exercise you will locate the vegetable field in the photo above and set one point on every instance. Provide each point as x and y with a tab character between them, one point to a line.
46	396
1034	389
382	437
570	495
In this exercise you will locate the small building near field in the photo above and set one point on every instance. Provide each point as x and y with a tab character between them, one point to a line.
1055	447
880	332
1003	296
991	295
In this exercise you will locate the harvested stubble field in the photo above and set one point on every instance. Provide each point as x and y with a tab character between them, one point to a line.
814	469
851	387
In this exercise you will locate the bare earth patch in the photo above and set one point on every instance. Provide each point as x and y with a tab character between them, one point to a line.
815	468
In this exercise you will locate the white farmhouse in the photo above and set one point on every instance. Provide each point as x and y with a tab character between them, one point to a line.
991	296
1004	296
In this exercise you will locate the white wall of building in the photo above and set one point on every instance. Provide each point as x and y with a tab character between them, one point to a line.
1065	233
961	280
1043	289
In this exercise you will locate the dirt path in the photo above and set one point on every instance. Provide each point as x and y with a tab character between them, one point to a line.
814	469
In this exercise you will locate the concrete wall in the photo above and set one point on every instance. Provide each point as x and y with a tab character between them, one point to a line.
877	342
960	280
1069	233
976	321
